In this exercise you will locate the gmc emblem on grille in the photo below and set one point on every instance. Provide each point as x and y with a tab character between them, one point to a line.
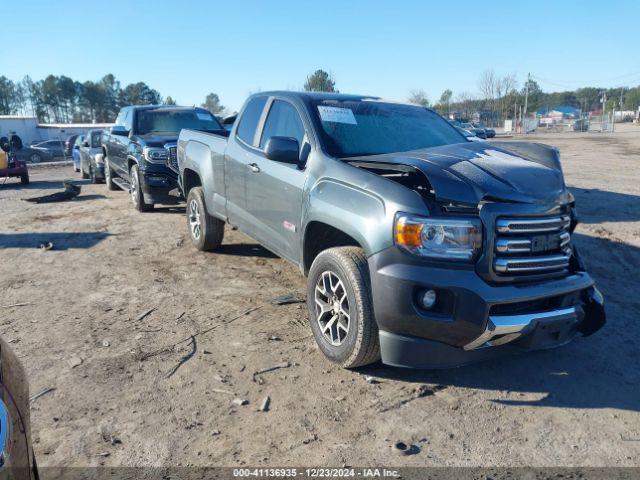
543	243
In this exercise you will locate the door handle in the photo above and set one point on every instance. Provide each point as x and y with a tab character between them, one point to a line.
254	167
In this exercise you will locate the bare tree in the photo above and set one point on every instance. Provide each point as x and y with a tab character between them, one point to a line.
419	97
466	103
488	85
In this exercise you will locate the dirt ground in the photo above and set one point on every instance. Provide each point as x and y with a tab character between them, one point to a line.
84	333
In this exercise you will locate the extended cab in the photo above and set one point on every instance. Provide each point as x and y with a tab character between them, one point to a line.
138	146
420	247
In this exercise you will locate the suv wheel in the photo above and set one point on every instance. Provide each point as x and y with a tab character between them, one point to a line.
108	175
340	308
137	196
84	174
206	232
24	178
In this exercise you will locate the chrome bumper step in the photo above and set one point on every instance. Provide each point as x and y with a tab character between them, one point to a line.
510	327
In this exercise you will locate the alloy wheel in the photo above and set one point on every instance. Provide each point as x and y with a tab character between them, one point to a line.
332	308
194	220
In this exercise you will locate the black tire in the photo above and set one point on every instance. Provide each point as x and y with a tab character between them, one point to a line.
137	197
92	175
35	158
108	175
360	345
83	173
24	178
211	229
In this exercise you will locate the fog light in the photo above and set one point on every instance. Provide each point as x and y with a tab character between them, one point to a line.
428	299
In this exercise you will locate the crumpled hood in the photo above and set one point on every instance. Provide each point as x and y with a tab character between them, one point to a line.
157	140
471	172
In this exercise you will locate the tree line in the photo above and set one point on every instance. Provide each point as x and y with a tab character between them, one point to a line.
500	98
60	99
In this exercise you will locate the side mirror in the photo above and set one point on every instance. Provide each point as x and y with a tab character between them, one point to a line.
282	149
119	130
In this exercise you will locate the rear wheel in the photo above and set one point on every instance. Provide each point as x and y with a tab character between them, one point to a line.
340	307
35	158
84	174
137	197
206	231
108	175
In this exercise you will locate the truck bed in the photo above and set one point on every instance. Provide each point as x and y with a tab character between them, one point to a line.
203	154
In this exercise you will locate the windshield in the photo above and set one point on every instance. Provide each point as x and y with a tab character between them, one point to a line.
357	128
172	121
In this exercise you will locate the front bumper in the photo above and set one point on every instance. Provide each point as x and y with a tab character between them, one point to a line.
472	319
159	185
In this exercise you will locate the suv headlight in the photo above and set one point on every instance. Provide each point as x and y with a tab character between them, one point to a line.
442	238
155	155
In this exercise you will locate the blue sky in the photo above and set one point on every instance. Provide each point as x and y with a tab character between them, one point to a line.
191	47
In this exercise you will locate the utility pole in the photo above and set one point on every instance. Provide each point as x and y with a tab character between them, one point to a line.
604	103
526	102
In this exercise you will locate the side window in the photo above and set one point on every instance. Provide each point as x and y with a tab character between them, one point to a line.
250	118
128	119
283	121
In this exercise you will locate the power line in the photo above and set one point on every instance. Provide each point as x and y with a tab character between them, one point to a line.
566	83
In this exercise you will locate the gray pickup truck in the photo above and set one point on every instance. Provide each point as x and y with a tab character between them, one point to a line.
420	247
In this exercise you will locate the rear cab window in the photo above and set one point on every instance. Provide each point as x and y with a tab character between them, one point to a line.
246	130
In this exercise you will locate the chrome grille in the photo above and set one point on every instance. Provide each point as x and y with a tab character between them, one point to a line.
534	245
173	158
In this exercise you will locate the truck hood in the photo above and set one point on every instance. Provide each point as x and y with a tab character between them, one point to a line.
157	140
471	172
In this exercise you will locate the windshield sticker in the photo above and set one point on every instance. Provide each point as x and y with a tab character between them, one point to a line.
337	115
204	116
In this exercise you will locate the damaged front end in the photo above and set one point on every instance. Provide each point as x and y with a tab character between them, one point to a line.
527	289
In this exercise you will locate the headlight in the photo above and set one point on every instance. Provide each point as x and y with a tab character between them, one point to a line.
155	155
444	238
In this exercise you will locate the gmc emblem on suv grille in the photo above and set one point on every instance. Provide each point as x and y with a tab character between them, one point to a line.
543	243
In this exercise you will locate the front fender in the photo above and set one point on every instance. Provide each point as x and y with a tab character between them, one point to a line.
359	213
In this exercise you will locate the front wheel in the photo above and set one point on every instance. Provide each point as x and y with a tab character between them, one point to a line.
35	158
206	232
137	197
24	178
340	307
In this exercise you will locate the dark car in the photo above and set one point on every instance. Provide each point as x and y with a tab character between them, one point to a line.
141	143
478	132
43	151
17	460
68	144
489	132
